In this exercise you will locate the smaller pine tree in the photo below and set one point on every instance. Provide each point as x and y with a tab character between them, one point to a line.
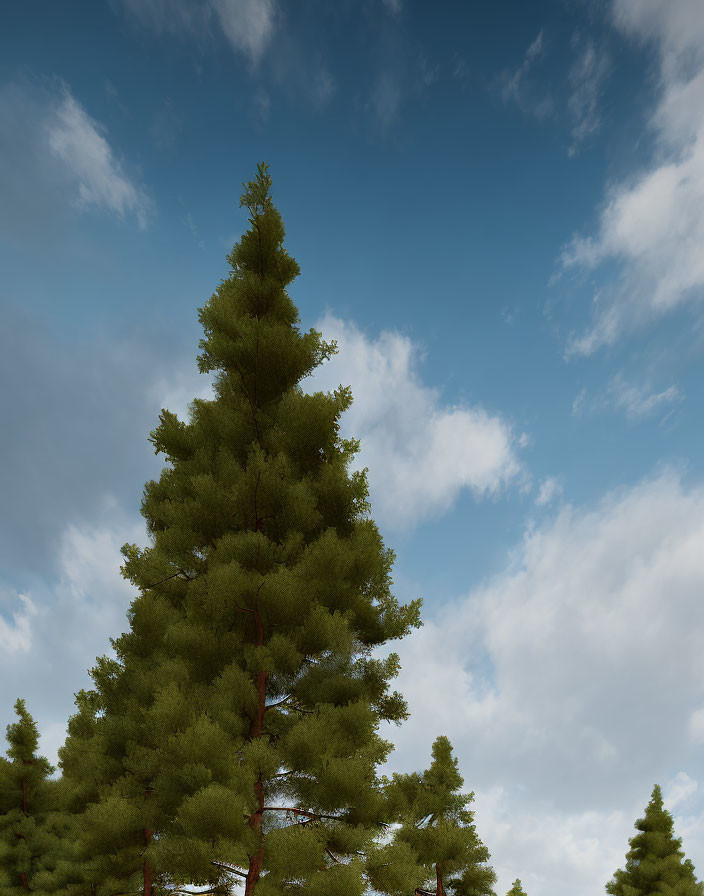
516	889
655	862
80	868
435	851
26	842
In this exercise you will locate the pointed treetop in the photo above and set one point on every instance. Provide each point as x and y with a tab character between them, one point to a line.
516	889
22	735
436	846
655	857
256	192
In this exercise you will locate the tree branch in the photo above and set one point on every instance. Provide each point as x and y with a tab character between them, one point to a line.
168	578
295	811
230	868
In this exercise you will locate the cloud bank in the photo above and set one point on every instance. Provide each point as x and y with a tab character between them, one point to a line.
569	679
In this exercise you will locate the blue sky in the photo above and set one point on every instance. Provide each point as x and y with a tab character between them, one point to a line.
498	211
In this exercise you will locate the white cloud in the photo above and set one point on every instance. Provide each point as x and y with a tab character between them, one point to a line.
515	86
512	85
569	682
178	387
79	141
586	77
54	158
420	452
91	587
247	24
16	636
638	401
677	26
549	490
73	621
696	726
678	790
653	223
525	841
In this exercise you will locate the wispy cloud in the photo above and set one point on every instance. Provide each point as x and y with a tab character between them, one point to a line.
652	225
421	452
586	77
55	158
515	86
549	490
638	401
248	25
80	143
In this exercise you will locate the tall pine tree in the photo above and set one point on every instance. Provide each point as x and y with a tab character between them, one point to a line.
241	713
26	797
435	850
516	889
655	863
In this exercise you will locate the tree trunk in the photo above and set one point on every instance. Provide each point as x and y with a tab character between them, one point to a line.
439	889
23	878
147	871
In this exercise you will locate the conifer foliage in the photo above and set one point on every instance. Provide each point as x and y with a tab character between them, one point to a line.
238	724
516	889
655	862
436	849
26	844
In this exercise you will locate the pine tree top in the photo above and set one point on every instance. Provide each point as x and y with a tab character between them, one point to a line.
239	720
23	742
655	857
434	794
516	889
436	840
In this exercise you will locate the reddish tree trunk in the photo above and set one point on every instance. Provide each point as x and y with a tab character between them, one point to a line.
257	860
439	889
23	878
